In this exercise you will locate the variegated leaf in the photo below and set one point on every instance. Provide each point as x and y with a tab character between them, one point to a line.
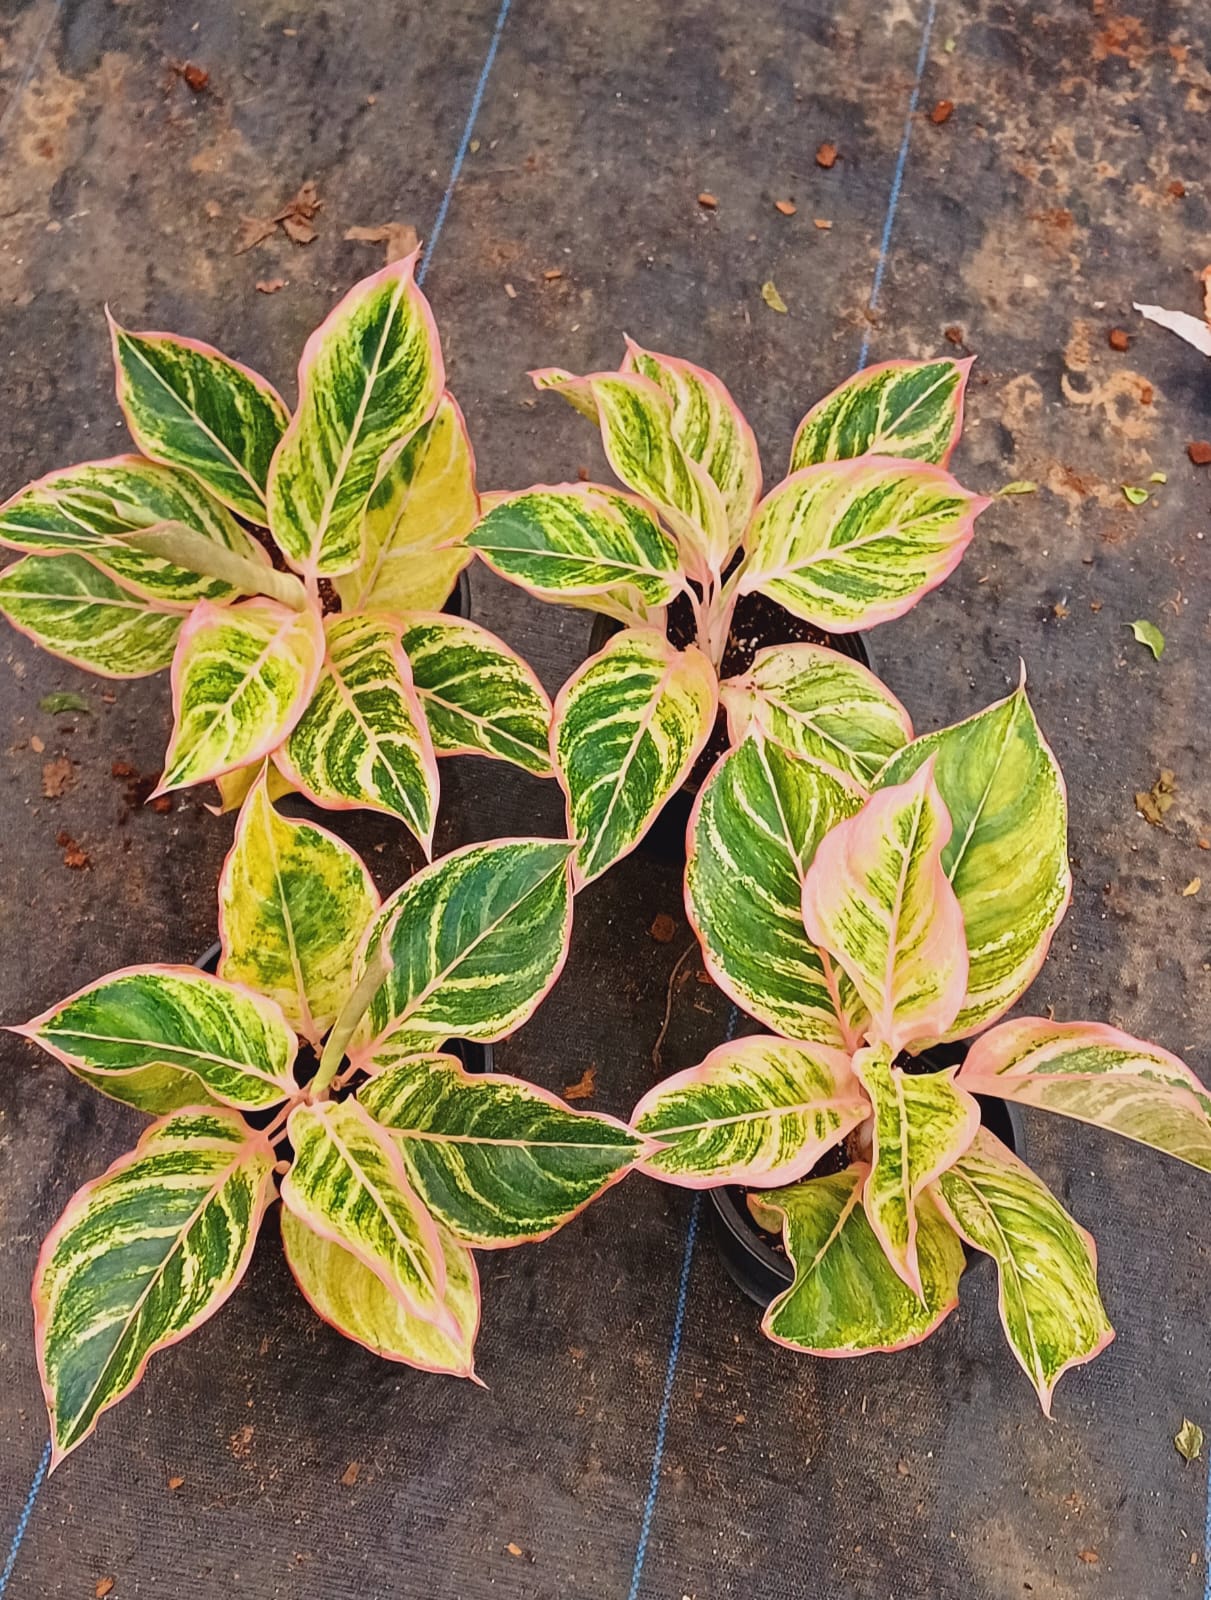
75	611
371	374
1008	855
294	901
233	786
848	544
479	697
358	1304
757	1110
1096	1074
1050	1307
820	705
909	409
234	1044
156	1089
141	1257
923	1123
755	827
578	539
876	896
636	417
417	517
846	1300
709	426
475	940
241	678
189	406
349	1185
363	739
628	726
94	509
498	1161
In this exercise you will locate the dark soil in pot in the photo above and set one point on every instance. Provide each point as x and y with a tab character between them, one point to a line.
755	1259
757	623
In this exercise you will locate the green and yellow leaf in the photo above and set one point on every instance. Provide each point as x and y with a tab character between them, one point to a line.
923	1123
756	1110
363	739
1007	857
241	678
846	1300
628	726
233	786
141	1257
475	940
755	827
1050	1307
877	897
189	406
819	705
909	409
371	374
710	427
235	1045
496	1160
66	604
1099	1075
579	540
636	417
847	544
349	1185
479	697
358	1304
417	518
294	901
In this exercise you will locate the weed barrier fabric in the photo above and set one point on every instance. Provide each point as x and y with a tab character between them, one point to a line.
1065	184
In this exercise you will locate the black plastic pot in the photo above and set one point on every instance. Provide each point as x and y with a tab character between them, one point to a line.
458	602
474	1057
749	1253
666	836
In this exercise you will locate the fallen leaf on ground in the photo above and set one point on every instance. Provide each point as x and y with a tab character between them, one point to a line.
1119	339
36	744
514	1549
1089	1557
175	1483
822	222
769	293
350	1475
553	274
270	285
707	201
1189	1440
663	928
253	231
1148	633
196	77
1158	477
1019	486
57	777
826	155
73	856
104	1585
1153	803
65	700
1192	887
1199	451
400	238
1059	609
584	1085
1134	494
786	207
953	334
942	112
1194	330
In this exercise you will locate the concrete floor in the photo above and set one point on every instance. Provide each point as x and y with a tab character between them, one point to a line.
1069	180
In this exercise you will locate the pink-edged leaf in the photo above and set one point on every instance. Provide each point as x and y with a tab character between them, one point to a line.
877	897
1099	1075
909	409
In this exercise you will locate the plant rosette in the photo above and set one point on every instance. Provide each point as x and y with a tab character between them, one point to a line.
310	1068
867	522
291	569
865	934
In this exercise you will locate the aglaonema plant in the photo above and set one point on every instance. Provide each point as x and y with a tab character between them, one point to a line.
392	1162
367	493
863	933
867	521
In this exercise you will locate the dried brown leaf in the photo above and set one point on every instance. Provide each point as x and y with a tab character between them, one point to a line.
253	231
584	1086
400	238
57	777
826	155
270	285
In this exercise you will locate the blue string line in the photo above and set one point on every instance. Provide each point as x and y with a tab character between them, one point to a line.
897	182
23	1519
468	128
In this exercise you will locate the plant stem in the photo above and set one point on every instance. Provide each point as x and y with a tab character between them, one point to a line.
723	609
186	547
351	1014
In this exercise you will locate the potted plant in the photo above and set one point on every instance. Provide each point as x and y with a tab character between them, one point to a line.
311	1069
707	580
292	569
875	937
